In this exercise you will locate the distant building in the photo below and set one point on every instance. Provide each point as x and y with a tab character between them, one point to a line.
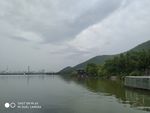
81	73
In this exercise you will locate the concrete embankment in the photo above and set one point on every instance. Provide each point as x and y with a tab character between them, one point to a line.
140	82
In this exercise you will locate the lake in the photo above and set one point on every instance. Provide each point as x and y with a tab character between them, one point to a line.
56	94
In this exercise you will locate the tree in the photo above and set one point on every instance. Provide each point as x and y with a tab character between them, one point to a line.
92	69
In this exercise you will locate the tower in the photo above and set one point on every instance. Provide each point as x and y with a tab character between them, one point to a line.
28	69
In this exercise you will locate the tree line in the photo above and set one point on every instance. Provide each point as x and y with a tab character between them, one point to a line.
133	63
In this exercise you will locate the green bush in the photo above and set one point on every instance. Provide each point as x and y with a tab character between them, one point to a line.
135	73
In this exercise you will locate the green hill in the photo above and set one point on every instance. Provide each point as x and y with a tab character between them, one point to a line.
145	46
101	59
96	60
67	70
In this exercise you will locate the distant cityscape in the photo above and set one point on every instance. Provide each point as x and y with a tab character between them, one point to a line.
27	71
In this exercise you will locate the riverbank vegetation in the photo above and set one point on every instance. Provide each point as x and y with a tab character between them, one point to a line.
133	63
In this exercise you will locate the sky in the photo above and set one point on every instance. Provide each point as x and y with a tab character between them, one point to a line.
53	34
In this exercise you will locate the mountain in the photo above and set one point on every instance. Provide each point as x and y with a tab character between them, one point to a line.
96	60
101	59
67	70
145	46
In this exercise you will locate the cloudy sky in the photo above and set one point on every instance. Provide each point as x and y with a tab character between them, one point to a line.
52	34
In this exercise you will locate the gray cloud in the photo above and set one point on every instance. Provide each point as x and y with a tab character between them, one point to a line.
56	20
52	34
19	38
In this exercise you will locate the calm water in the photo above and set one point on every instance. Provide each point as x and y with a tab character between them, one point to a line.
59	95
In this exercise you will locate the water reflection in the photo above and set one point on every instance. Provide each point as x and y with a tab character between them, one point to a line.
139	99
59	94
27	78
